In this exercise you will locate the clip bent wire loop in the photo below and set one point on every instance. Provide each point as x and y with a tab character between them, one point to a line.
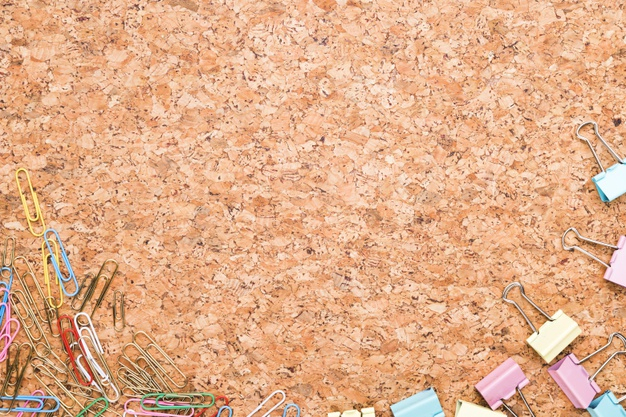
15	369
94	404
108	277
145	351
69	345
8	256
425	403
225	408
46	258
616	268
467	409
5	333
119	312
85	291
611	182
63	280
260	406
366	412
502	383
573	378
30	323
141	412
30	219
186	400
554	335
607	405
29	295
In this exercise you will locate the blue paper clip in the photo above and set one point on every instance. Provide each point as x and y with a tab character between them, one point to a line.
288	406
55	263
40	400
611	182
225	408
422	404
607	405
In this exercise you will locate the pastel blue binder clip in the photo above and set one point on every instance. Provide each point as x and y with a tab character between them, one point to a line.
607	405
611	182
422	404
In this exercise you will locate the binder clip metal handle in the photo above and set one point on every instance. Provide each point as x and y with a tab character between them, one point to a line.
604	142
607	405
585	239
505	294
616	268
502	383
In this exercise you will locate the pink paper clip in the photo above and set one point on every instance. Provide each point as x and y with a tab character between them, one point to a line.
574	379
616	268
501	384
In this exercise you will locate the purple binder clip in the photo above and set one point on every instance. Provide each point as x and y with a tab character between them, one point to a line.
501	384
574	379
616	268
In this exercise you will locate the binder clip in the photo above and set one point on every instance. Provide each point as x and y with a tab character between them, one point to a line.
465	409
616	268
554	335
610	183
573	378
422	404
607	405
502	384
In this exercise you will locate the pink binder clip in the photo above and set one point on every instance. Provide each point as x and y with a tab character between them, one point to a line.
574	379
616	268
502	384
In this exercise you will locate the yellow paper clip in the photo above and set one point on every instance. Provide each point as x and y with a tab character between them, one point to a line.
38	217
46	258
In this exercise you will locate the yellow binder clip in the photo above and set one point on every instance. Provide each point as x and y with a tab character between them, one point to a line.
465	409
554	335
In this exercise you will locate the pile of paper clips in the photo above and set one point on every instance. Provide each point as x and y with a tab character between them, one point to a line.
76	376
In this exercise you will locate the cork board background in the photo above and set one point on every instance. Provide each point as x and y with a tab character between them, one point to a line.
325	197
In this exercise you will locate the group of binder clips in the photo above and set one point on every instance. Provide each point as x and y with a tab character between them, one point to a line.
611	182
549	341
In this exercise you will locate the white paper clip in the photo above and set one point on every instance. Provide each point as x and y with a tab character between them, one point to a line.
616	268
465	409
554	335
422	404
610	183
282	400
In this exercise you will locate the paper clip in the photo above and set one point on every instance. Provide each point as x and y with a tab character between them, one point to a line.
145	351
30	322
607	405
56	263
34	414
85	291
141	412
95	404
9	253
466	409
227	409
69	345
370	411
30	219
108	279
29	295
186	400
119	311
15	370
554	335
610	183
502	384
616	268
40	400
260	407
5	333
574	380
424	404
46	258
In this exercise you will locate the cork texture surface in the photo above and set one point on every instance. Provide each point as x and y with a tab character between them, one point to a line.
327	196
